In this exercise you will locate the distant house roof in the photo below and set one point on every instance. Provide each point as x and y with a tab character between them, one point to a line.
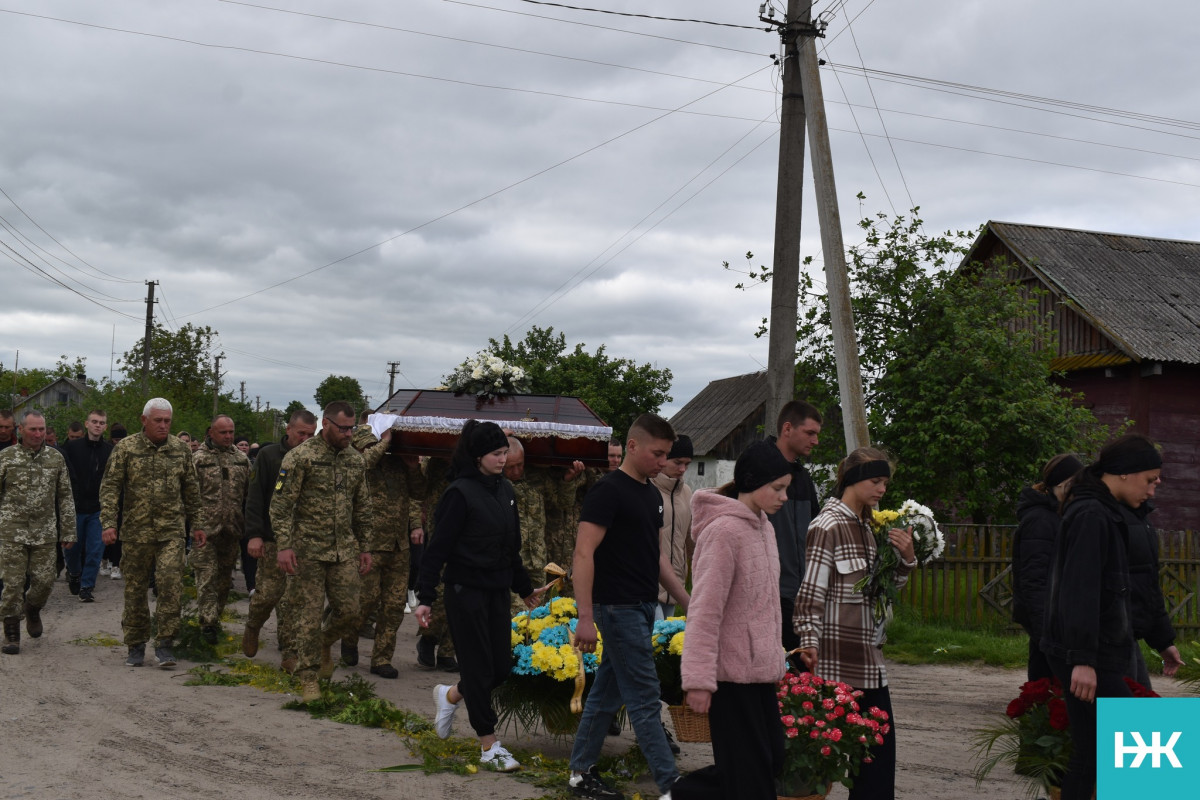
60	391
720	409
1142	293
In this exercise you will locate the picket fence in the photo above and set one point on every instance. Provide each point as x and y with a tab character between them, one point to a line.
971	584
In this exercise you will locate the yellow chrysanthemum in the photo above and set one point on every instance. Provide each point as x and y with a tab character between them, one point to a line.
676	647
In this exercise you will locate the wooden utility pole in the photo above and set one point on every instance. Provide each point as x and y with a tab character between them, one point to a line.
146	342
789	194
837	280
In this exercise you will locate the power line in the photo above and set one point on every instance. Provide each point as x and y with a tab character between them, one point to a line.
25	263
484	44
644	16
474	202
602	27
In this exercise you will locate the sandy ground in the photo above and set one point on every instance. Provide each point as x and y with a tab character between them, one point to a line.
75	723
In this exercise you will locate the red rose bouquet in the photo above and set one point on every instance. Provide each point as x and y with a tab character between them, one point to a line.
828	735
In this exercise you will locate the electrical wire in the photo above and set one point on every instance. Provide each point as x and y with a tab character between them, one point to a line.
642	16
21	261
483	44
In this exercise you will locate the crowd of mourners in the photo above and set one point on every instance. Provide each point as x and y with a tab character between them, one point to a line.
339	534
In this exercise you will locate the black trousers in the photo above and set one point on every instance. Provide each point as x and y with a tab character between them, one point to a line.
747	739
789	637
1080	779
1038	667
482	631
877	780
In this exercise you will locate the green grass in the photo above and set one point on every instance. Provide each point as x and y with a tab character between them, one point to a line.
911	640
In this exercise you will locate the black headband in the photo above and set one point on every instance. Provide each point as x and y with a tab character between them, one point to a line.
866	471
1063	470
1128	463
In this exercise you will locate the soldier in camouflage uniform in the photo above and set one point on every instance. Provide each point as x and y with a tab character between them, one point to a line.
37	510
385	587
223	472
150	483
321	516
563	506
531	509
270	581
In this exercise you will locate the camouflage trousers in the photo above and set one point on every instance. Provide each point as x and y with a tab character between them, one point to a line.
213	565
306	593
534	556
439	627
19	560
384	594
269	595
560	549
139	560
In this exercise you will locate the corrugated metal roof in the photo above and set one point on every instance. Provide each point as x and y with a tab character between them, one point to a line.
719	408
1143	293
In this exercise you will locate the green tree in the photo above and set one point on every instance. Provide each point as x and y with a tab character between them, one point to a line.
292	408
617	389
340	387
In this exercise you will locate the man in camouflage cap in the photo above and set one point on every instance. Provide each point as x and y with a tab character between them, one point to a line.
385	587
270	581
150	483
224	472
321	515
36	511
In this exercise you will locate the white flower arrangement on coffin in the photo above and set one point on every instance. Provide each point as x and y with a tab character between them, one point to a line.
485	375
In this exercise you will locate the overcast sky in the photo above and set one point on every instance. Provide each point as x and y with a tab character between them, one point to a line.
335	185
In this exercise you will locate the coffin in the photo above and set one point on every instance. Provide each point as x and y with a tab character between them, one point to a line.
555	430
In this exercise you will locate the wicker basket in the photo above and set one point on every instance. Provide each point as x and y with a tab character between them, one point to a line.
689	726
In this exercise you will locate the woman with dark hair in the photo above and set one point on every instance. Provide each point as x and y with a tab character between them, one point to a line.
1033	546
478	542
1088	633
732	659
839	638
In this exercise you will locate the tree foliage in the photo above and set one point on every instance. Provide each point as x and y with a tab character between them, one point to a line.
617	389
954	387
341	387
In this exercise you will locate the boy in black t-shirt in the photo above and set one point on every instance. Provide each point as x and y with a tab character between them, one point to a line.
617	570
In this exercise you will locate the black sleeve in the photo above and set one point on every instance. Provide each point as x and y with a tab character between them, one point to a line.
600	504
1033	563
521	583
258	501
1161	634
448	519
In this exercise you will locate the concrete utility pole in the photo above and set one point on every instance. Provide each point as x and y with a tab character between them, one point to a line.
149	330
393	368
242	392
837	279
789	194
216	380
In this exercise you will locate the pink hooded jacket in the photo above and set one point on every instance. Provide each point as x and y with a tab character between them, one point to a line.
734	616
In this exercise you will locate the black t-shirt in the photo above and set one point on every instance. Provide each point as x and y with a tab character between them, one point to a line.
631	512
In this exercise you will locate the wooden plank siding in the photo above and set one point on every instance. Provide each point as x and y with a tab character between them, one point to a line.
971	585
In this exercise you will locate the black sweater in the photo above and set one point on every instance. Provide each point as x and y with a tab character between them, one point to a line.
477	539
1150	619
85	464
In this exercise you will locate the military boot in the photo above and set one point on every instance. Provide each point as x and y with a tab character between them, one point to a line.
326	670
33	621
310	690
250	641
349	654
288	664
12	636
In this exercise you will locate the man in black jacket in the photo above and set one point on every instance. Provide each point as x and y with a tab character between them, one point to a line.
86	460
799	427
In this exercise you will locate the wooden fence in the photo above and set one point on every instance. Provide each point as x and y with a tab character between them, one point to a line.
971	584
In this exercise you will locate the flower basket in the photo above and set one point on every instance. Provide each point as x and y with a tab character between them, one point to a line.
689	726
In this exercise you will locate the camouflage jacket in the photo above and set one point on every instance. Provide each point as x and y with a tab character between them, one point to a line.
321	508
224	475
36	506
153	487
394	509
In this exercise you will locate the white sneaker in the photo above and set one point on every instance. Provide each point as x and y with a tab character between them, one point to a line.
116	574
105	569
444	720
499	759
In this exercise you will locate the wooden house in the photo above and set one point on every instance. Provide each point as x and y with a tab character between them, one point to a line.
722	420
1126	318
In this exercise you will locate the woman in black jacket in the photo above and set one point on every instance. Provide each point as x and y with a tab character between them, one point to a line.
1150	618
1033	546
1088	633
478	539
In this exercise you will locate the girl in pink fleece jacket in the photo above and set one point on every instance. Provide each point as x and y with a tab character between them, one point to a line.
732	658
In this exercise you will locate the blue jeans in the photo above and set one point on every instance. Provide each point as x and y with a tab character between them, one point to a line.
88	549
626	677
